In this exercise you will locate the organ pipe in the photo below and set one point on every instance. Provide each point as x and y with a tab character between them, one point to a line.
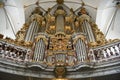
87	29
39	50
32	31
80	50
60	23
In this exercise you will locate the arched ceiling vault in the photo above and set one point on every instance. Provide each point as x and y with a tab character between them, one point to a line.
20	10
75	4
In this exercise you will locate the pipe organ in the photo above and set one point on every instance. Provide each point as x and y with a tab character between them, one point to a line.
60	38
59	43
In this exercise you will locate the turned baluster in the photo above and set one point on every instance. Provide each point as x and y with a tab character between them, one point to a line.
91	55
107	55
101	54
116	52
111	53
95	53
108	51
118	45
98	54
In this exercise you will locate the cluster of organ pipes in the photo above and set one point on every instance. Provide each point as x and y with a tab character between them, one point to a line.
61	36
33	29
39	48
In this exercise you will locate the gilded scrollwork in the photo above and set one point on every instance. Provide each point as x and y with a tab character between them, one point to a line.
112	40
50	19
60	11
92	44
38	18
51	29
20	35
71	17
60	1
82	11
28	44
37	15
69	21
82	37
99	36
41	37
82	15
59	44
43	26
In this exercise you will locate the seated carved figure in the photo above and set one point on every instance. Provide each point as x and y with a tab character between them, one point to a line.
37	11
82	11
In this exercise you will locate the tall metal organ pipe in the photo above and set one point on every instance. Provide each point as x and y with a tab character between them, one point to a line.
32	31
80	50
87	29
39	51
60	23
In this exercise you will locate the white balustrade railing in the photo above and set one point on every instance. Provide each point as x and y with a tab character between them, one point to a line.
13	52
105	53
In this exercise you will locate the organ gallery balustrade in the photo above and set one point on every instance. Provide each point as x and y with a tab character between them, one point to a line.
14	52
104	53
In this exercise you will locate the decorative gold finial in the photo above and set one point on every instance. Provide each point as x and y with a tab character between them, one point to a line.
60	1
37	3
82	4
1	4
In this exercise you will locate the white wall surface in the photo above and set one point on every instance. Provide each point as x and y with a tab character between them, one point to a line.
15	12
105	15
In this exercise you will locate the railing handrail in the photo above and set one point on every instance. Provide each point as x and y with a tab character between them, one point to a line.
106	45
21	47
105	52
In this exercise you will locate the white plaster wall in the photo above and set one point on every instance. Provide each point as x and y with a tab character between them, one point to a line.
15	13
114	31
105	13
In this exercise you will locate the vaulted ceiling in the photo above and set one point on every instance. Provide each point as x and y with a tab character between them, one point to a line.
14	13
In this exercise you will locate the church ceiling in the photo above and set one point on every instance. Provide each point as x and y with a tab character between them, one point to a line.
22	9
